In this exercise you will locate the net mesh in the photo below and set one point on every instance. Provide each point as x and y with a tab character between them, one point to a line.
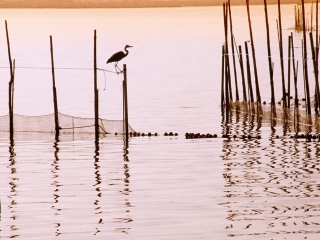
276	115
69	124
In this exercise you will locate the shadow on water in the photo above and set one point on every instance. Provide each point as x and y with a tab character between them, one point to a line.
271	184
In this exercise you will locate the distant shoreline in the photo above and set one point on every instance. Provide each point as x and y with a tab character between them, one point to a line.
130	4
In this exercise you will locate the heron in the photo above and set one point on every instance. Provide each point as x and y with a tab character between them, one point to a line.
117	57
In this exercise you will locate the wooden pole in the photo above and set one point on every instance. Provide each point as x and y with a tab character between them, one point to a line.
55	102
254	58
273	102
315	70
96	92
11	85
233	53
125	100
222	78
317	52
227	96
289	68
305	61
279	25
295	77
228	77
251	98
242	75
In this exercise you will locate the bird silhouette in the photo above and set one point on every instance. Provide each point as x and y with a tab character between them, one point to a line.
117	57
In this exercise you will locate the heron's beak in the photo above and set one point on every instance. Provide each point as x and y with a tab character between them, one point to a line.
130	46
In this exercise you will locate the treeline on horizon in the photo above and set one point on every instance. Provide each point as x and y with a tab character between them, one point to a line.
128	3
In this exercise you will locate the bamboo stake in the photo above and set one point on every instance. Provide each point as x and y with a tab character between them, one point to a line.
228	77
295	77
269	55
251	99
96	92
254	59
55	102
284	102
305	61
227	102
222	78
289	68
315	70
11	86
126	101
317	52
233	53
242	75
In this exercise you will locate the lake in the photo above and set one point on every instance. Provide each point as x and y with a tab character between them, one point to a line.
159	187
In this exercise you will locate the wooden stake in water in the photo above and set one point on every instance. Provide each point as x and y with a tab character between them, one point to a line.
289	67
96	92
295	77
227	67
242	75
315	70
11	85
269	55
251	99
233	53
125	104
55	102
279	26
222	78
305	62
254	59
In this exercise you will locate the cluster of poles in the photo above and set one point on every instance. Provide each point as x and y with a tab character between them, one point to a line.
58	128
251	97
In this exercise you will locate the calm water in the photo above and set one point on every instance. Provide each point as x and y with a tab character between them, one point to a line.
159	187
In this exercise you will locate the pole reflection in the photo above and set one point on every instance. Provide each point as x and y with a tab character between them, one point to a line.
97	184
56	183
13	192
126	191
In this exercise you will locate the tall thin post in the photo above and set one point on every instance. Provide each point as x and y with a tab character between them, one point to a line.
125	100
269	55
305	61
11	85
233	55
228	78
254	60
242	75
317	52
96	92
289	68
315	70
55	102
222	78
251	99
279	25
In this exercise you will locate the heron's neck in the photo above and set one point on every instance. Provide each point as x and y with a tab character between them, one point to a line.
127	52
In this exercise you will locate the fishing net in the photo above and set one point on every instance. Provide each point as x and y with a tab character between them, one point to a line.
69	124
276	115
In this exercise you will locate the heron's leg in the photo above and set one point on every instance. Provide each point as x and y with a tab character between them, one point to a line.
118	68
115	67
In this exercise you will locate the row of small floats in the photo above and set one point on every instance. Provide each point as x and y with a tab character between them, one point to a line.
149	134
307	136
188	135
